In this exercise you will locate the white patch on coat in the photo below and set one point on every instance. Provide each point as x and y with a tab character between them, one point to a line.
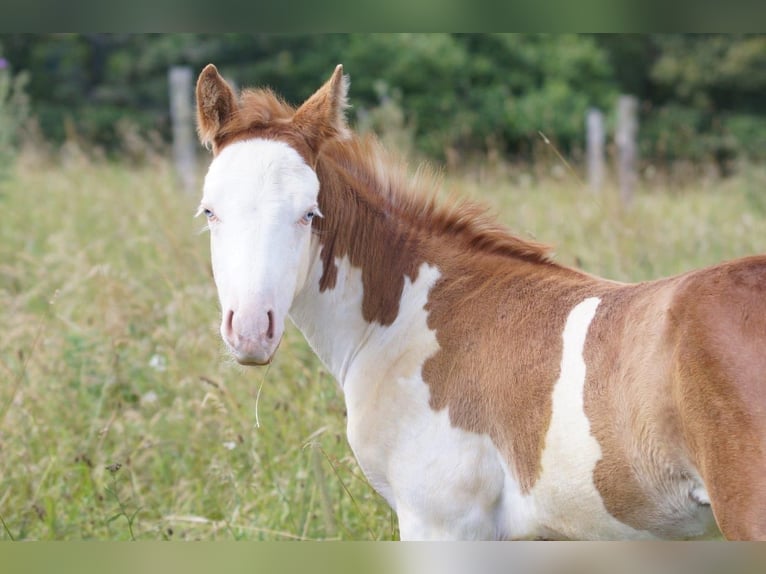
565	493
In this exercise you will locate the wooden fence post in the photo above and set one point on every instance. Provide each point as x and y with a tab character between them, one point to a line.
595	138
627	149
182	116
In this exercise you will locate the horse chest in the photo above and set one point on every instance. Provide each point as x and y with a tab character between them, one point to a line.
442	481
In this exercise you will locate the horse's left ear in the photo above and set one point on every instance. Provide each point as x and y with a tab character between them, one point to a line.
322	117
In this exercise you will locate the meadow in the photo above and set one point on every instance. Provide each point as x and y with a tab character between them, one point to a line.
121	416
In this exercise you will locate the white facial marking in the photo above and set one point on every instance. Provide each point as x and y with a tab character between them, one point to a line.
257	198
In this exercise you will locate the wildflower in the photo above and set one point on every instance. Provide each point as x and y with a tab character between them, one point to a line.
3	63
158	362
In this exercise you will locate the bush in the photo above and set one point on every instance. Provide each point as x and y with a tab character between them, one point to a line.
707	103
439	94
14	108
470	91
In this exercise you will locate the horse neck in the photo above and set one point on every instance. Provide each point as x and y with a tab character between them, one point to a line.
365	264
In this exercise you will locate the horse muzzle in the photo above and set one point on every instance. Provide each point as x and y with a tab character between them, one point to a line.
252	338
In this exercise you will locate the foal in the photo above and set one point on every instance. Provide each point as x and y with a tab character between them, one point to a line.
491	393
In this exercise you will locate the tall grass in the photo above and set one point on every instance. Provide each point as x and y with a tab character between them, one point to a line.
110	359
122	418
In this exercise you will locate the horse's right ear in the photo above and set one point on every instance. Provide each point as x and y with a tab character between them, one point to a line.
216	103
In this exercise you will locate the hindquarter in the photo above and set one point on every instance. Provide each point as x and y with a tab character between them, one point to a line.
719	327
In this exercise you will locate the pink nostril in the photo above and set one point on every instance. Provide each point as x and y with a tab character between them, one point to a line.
230	323
270	330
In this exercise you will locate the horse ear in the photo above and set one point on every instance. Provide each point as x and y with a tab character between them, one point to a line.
216	103
322	116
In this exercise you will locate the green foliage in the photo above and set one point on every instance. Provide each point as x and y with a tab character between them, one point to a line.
709	102
14	109
424	72
712	71
447	94
472	91
551	81
455	91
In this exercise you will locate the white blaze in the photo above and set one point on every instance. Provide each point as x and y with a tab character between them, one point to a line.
257	194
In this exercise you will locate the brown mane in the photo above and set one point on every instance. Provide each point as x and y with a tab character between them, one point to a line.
259	111
262	113
415	200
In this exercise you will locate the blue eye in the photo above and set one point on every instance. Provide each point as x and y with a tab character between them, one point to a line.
309	216
208	213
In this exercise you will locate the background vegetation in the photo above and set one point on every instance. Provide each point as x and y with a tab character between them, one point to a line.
121	416
701	94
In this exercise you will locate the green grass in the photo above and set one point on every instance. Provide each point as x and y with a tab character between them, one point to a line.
121	417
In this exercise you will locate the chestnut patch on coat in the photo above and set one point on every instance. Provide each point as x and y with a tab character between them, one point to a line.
499	325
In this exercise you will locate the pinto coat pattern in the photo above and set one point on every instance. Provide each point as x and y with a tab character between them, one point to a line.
491	392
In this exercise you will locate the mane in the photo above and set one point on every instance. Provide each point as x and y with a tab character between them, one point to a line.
415	199
260	110
260	107
262	113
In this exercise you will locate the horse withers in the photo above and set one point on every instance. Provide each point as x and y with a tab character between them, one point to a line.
491	392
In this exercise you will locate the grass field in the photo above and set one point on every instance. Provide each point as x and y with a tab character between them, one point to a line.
121	417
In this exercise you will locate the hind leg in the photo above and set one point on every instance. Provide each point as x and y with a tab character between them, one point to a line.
728	444
719	320
723	408
737	495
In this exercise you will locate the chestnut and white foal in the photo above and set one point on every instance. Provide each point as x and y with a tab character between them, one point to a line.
491	393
